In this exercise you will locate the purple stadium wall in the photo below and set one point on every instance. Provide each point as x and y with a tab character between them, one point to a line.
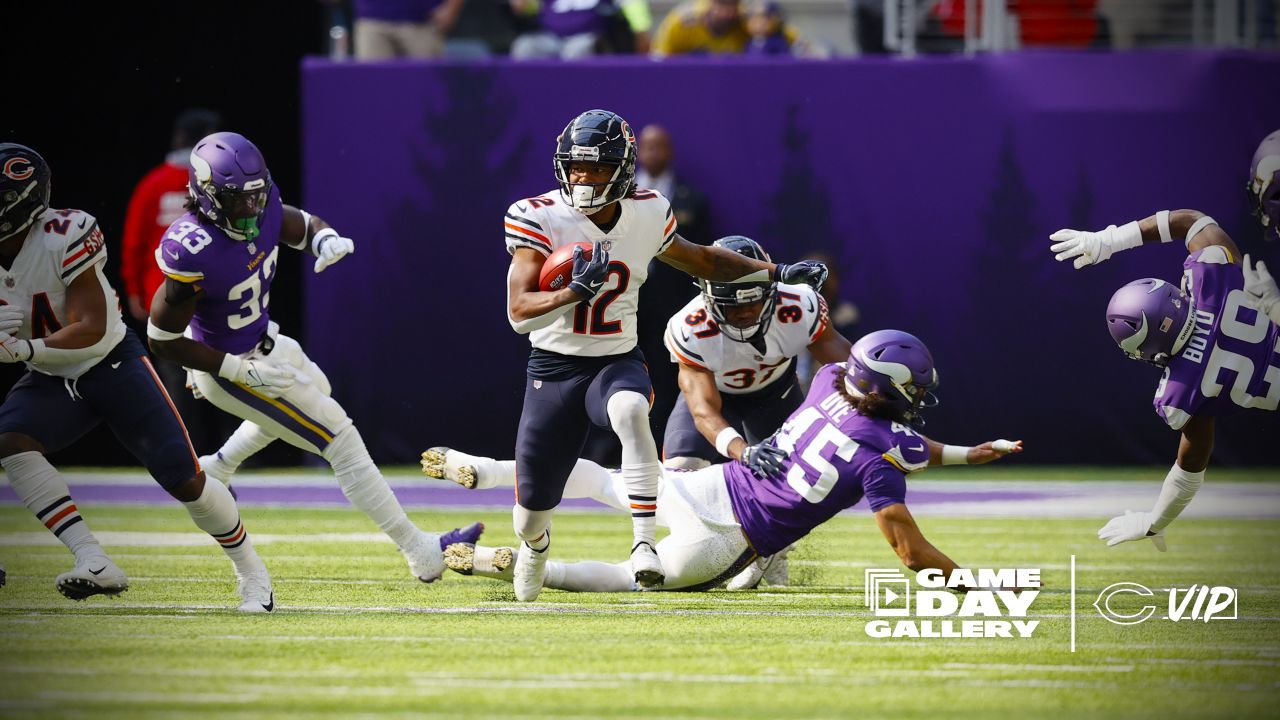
935	181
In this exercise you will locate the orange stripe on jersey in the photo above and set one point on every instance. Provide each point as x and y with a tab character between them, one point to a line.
669	226
822	326
235	538
526	231
57	518
176	415
686	360
637	506
73	258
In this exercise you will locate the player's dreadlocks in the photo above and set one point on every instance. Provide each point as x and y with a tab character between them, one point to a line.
872	405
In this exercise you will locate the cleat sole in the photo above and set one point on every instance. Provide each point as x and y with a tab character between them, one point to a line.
460	558
79	589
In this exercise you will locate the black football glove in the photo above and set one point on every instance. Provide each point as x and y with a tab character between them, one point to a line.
809	272
589	275
764	459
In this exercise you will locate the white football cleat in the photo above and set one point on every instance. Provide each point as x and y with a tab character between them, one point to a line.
255	592
646	566
776	573
93	575
751	575
481	561
436	464
530	572
426	560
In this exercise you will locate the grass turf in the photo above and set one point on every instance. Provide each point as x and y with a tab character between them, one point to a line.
354	635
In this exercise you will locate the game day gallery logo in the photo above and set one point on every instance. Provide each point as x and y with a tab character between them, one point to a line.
996	604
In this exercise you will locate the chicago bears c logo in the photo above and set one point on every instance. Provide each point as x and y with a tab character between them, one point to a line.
14	168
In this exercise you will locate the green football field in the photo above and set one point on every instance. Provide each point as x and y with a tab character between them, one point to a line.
355	636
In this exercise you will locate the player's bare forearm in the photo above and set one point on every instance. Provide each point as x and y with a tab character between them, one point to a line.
86	315
700	392
713	263
904	536
188	353
297	228
524	300
989	451
1196	445
172	308
1180	222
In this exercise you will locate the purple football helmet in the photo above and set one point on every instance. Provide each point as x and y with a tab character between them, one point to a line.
1150	320
24	188
1264	185
230	183
899	367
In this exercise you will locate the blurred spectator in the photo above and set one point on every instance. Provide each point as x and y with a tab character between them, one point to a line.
667	289
571	29
1059	23
387	29
156	202
770	34
868	26
844	314
703	27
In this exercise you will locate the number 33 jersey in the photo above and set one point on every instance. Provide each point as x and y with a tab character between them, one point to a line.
799	316
60	246
605	325
235	276
1232	360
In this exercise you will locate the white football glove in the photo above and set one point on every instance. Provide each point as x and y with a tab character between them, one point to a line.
259	374
1091	248
13	350
1261	289
10	319
1131	526
331	247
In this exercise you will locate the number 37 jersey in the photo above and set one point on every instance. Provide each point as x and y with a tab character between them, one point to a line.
1232	360
235	276
605	325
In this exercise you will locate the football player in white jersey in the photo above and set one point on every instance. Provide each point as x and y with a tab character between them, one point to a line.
59	315
585	366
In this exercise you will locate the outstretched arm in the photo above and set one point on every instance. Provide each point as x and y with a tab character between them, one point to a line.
989	451
303	231
703	397
723	265
830	347
1192	227
904	536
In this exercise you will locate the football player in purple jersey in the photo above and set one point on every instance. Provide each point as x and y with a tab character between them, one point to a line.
1218	351
211	316
850	439
1264	195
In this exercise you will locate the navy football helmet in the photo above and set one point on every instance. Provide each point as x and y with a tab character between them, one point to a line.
597	136
721	295
24	188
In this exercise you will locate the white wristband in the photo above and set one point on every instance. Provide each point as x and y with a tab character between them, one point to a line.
1196	227
1162	222
157	333
725	439
1127	236
315	241
955	454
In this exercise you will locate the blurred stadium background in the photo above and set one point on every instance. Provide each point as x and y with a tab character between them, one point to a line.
933	173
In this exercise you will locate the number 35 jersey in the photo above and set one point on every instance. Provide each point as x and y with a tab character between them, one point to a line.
693	338
60	246
235	276
605	325
1232	360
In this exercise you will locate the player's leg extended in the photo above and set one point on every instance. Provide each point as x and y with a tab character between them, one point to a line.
706	546
248	439
623	390
553	428
683	446
149	426
40	414
587	479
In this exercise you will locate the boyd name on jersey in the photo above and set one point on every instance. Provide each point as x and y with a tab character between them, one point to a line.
605	325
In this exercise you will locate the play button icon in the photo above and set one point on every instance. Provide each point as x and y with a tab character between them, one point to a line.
890	596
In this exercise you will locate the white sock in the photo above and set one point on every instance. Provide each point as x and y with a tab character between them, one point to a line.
215	512
532	526
589	480
490	473
248	439
1176	493
590	576
45	493
365	487
641	467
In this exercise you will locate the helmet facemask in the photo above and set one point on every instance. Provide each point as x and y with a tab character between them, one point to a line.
589	198
596	136
720	296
